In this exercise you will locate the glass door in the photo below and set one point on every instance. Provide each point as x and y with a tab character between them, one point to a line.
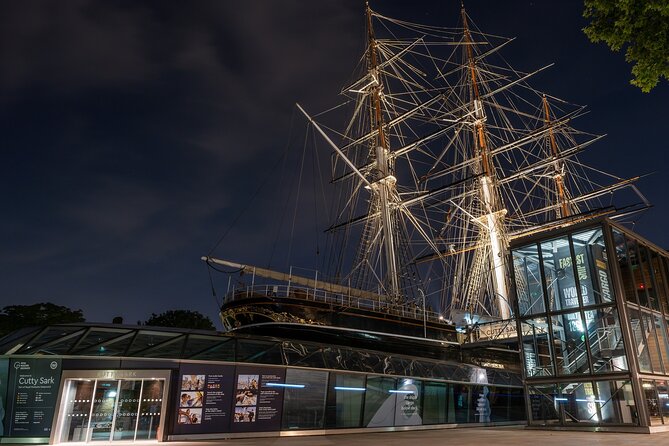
102	418
104	410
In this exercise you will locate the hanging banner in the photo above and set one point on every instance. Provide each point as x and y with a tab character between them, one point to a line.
204	399
32	391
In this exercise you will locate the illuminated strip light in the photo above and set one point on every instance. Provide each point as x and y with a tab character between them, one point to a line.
292	386
663	395
353	389
400	391
583	400
561	399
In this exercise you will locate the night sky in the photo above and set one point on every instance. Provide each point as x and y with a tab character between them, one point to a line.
135	133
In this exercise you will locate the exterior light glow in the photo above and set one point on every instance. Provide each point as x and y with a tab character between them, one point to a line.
292	386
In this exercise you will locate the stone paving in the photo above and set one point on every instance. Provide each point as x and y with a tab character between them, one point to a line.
466	436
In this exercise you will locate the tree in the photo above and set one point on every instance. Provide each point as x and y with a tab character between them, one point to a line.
641	27
181	319
14	317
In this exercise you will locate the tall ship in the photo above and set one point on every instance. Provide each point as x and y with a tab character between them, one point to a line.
447	155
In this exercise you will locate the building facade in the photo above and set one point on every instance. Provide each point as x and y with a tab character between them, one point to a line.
592	310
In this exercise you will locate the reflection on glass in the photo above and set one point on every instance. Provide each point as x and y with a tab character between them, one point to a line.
528	280
570	343
536	347
648	282
663	344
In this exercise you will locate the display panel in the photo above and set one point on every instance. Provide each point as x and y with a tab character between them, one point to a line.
32	392
258	399
204	399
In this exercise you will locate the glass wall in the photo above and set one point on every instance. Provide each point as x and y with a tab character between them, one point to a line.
577	336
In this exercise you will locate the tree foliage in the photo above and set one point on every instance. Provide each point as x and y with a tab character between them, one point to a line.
14	317
181	319
641	27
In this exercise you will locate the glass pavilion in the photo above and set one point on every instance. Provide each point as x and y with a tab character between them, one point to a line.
593	309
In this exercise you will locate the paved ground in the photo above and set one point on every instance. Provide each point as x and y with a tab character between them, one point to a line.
457	437
499	436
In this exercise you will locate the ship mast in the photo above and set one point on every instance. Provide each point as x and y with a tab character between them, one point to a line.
384	187
493	219
558	177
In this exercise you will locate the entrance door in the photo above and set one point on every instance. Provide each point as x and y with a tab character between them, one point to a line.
111	410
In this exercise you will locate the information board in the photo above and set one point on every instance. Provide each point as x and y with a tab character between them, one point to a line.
204	399
32	392
258	399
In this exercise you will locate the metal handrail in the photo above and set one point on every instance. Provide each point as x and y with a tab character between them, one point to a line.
318	295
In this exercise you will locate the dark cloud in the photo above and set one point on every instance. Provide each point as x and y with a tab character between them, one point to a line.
135	132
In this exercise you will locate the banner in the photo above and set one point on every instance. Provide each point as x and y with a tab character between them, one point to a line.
258	399
204	399
32	392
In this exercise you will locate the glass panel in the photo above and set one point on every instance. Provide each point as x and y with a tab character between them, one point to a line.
624	265
592	267
126	410
345	399
660	281
663	399
663	345
78	396
652	403
408	403
582	405
224	351
146	339
197	344
304	407
379	402
652	342
170	349
570	349
649	285
640	344
536	347
53	333
262	352
528	280
99	336
149	410
543	404
461	400
606	340
516	404
114	347
637	274
104	402
616	402
559	270
435	403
